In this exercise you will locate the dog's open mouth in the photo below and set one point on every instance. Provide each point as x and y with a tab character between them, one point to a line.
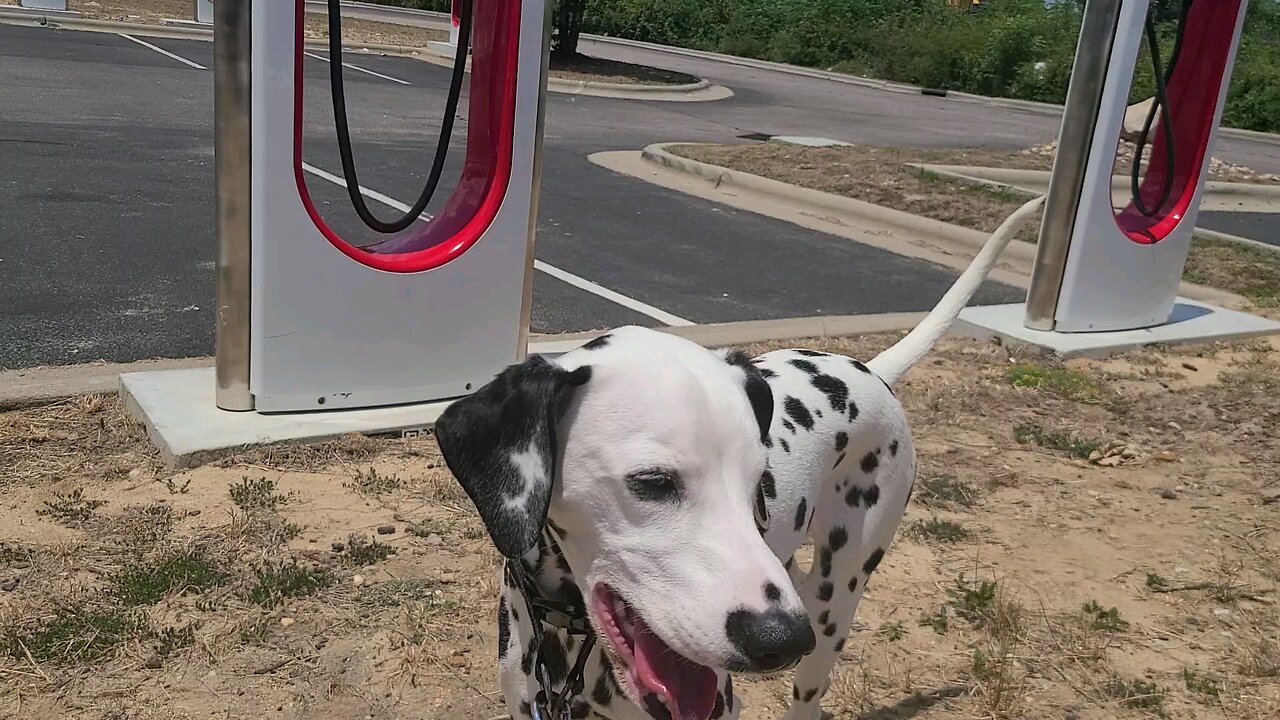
663	681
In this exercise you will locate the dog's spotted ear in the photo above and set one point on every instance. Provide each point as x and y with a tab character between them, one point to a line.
758	391
500	443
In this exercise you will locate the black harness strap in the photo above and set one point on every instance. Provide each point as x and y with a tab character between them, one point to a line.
571	618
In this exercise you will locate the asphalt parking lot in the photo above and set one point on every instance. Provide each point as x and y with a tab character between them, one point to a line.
107	240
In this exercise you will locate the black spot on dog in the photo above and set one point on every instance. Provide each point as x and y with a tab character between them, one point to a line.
873	562
853	496
598	343
805	365
893	448
825	591
871	496
801	509
553	658
829	630
798	412
601	694
840	644
772	593
504	627
515	614
842	441
767	373
853	584
768	485
786	447
526	660
525	709
579	710
860	366
655	707
811	353
809	694
788	425
825	560
824	617
870	462
839	459
853	411
718	710
835	390
837	538
559	531
817	412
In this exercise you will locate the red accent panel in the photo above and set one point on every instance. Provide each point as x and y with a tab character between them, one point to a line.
486	169
1193	101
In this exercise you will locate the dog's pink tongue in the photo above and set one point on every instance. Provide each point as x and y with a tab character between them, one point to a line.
689	688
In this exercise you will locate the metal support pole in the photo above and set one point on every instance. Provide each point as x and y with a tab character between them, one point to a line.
231	82
1079	118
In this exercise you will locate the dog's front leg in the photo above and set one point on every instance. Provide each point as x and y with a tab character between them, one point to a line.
851	535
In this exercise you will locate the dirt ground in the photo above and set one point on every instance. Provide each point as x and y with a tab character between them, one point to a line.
1027	580
881	175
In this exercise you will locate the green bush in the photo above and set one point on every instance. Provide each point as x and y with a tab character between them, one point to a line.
1009	48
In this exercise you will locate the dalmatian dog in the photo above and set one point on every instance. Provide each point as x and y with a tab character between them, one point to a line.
662	489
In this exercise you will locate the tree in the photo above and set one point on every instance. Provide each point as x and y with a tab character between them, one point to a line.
566	28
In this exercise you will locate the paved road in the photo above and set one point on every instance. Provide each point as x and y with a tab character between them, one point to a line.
106	243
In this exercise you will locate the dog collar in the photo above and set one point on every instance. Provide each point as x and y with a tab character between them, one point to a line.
550	704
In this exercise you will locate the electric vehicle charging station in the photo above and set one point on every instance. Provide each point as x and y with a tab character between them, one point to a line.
1107	277
318	334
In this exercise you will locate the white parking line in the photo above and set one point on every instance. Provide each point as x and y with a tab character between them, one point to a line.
357	68
164	52
581	283
371	194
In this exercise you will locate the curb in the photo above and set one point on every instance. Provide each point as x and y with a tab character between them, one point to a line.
869	213
43	385
1023	254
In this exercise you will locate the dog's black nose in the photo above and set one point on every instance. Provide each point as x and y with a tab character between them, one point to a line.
772	640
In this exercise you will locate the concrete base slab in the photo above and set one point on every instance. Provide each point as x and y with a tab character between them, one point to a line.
810	141
182	419
184	422
1190	322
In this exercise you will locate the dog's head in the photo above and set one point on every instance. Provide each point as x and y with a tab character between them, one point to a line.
647	452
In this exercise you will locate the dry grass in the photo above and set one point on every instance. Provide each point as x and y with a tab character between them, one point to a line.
1072	590
881	175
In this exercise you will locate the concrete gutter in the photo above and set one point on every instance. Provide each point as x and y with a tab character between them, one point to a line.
894	230
44	385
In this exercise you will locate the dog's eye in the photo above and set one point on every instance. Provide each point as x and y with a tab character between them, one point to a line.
654	484
761	511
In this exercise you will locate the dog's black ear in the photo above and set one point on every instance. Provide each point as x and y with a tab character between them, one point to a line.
500	443
758	391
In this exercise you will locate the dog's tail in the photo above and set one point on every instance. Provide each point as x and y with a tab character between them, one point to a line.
894	362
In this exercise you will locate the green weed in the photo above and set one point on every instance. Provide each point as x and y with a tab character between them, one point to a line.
1055	440
288	580
189	571
70	507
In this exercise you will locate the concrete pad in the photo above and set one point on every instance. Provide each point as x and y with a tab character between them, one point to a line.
1190	322
810	141
182	419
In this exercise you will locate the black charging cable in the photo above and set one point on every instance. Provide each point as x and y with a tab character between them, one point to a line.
344	132
1160	104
